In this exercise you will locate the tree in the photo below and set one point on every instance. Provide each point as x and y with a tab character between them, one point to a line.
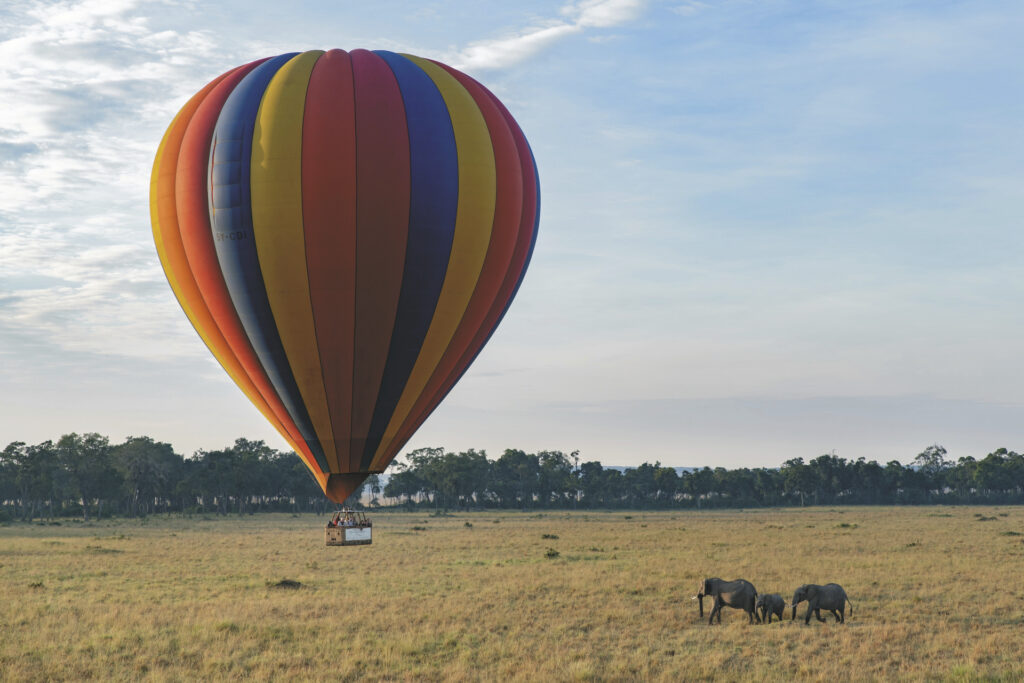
590	476
374	487
666	484
931	463
92	474
404	482
992	473
148	469
700	485
37	476
514	478
554	478
799	479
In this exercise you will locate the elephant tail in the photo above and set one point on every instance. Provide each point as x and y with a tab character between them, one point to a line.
851	605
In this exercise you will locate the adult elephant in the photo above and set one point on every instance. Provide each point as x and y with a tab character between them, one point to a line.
829	597
739	594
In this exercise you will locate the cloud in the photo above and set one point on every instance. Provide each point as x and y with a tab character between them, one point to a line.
579	16
87	88
495	54
604	13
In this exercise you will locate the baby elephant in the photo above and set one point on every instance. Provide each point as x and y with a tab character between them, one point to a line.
829	597
770	604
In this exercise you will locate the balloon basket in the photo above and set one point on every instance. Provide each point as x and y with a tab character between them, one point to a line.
353	529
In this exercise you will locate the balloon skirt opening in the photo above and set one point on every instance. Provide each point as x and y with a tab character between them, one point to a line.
340	486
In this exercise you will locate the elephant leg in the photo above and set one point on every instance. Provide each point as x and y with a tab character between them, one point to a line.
715	608
835	614
817	615
842	615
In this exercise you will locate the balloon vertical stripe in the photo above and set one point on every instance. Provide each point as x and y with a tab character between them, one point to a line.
329	218
382	205
345	231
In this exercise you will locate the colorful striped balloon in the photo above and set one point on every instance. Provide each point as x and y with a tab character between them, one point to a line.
344	230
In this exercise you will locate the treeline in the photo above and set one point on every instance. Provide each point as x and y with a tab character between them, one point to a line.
87	475
552	479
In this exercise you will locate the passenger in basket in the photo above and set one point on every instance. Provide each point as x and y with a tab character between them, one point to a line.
334	520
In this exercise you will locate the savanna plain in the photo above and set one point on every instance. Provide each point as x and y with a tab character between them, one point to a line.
937	592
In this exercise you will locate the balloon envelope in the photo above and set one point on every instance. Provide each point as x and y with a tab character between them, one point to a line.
344	231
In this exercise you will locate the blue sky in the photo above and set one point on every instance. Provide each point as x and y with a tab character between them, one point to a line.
769	229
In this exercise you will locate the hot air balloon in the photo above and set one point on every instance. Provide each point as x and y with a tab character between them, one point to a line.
344	230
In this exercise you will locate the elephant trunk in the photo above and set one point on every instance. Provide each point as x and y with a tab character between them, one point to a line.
700	603
793	618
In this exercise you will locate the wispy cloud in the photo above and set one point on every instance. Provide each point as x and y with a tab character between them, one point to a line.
603	13
689	8
577	17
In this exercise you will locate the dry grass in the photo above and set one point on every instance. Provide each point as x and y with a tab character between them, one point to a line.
937	595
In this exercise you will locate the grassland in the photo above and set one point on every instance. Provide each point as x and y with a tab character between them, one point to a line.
938	593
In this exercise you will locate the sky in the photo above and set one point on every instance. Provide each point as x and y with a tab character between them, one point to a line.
770	229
